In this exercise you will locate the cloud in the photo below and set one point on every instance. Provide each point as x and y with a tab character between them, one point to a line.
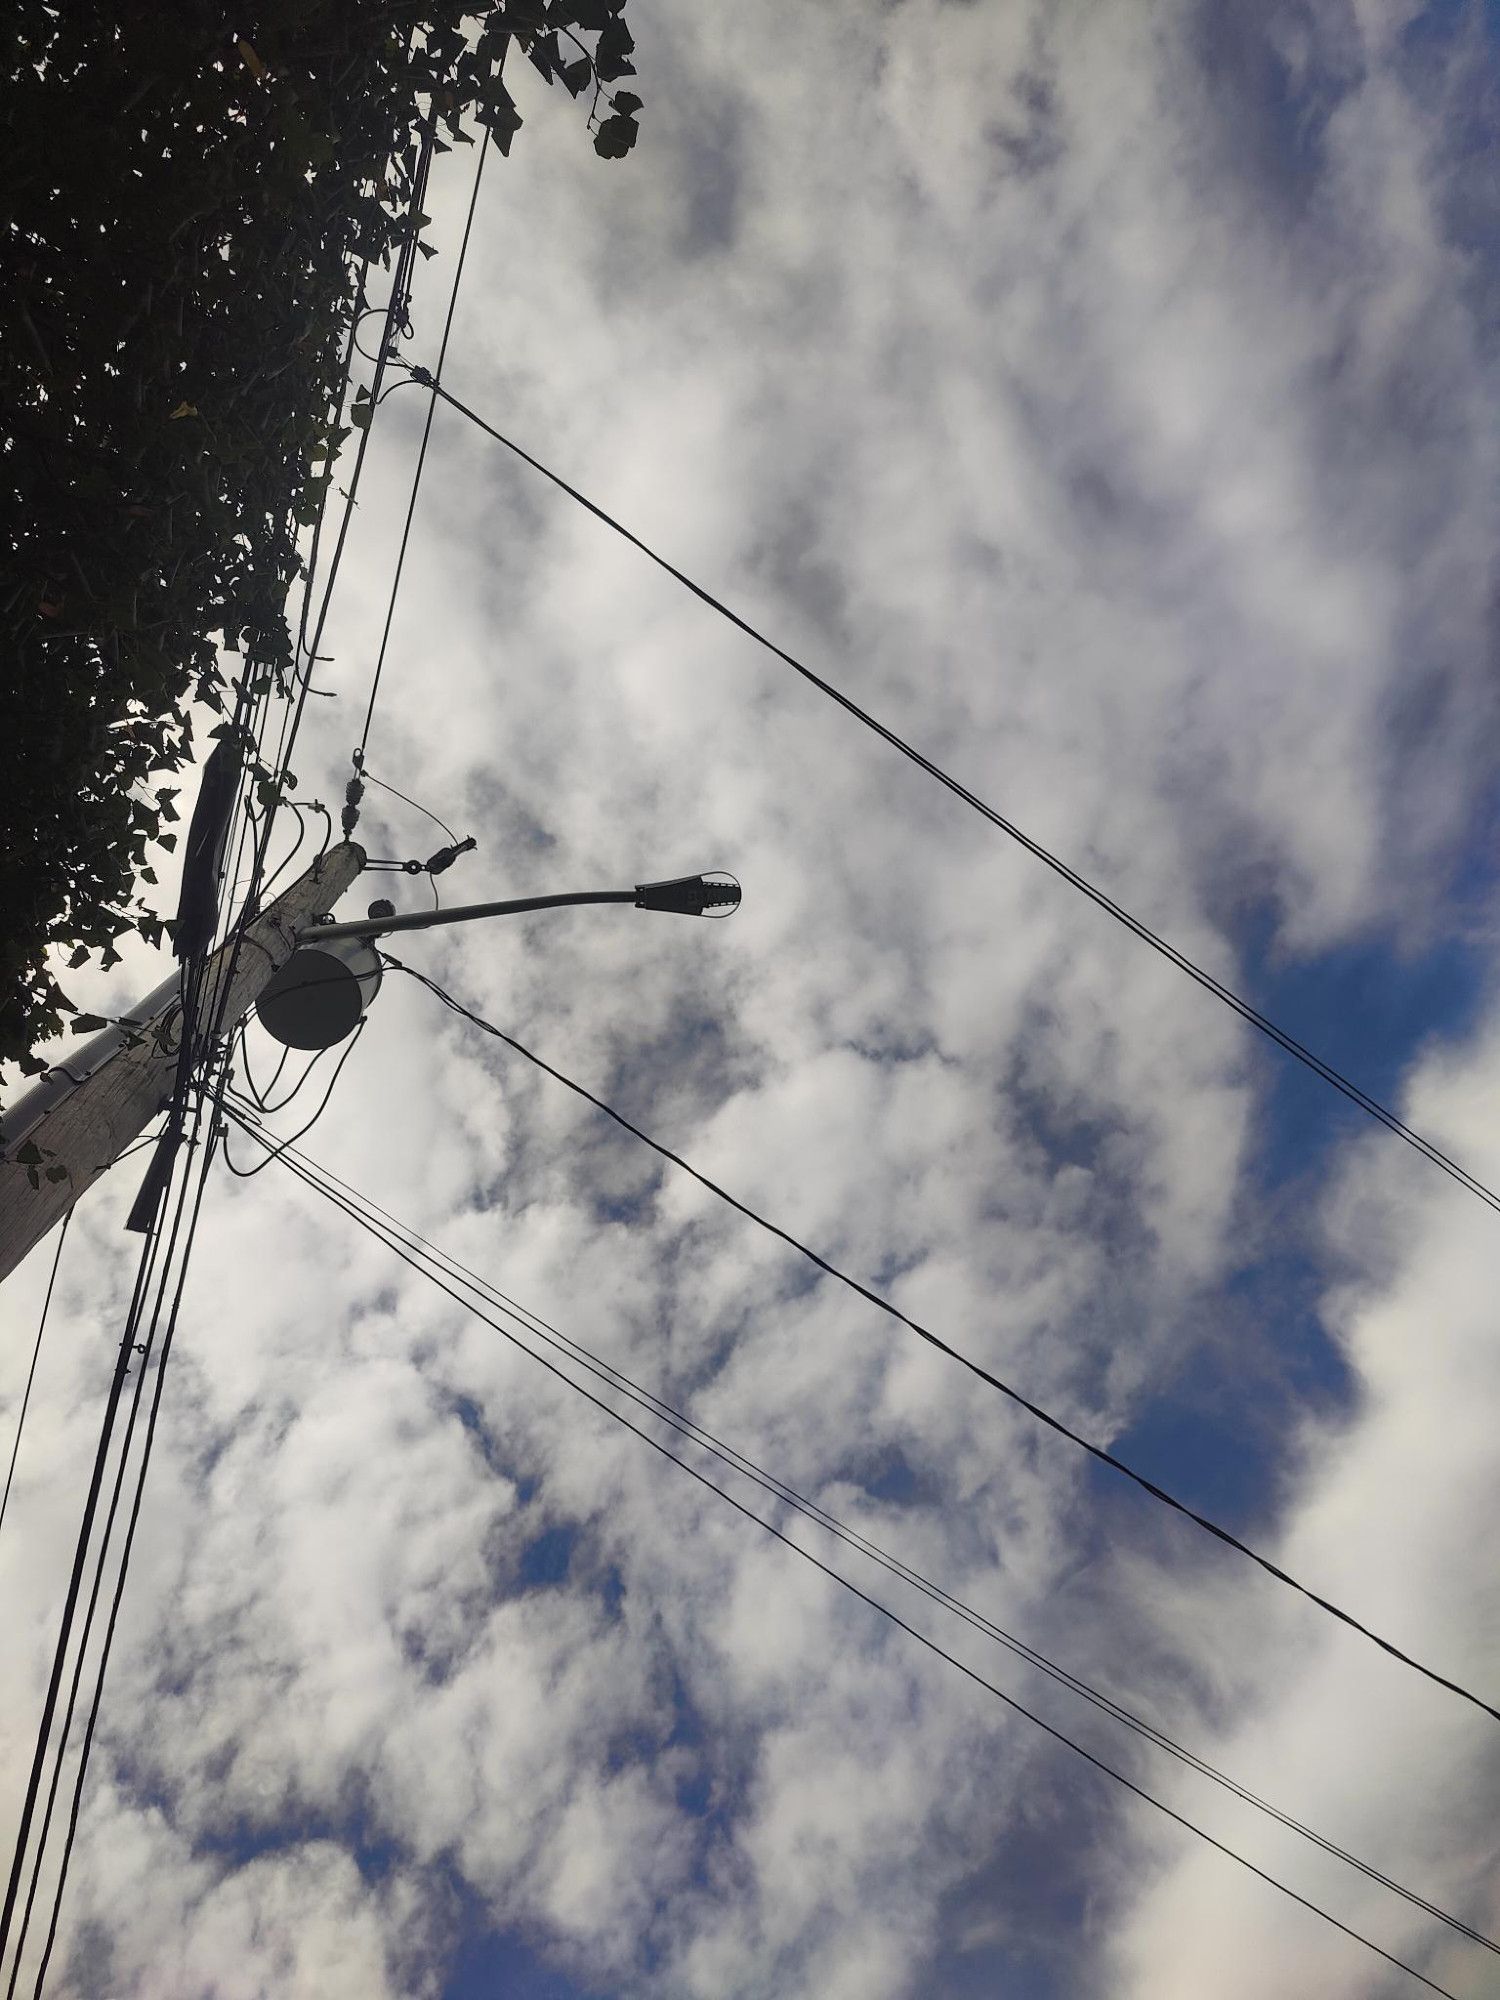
1107	403
1382	1515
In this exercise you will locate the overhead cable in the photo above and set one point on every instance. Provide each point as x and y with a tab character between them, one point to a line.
1256	1019
202	1013
416	805
209	1105
249	1173
201	1026
912	1631
155	1233
192	1018
144	1269
411	505
41	1327
350	1199
1043	1416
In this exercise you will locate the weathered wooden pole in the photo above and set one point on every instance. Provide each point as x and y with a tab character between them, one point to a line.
74	1124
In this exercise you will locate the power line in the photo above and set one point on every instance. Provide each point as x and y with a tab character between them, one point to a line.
395	318
70	1603
346	369
441	824
411	505
1262	1022
200	1014
249	1173
143	1348
874	1298
192	997
214	1098
395	313
912	1631
31	1372
201	1027
350	1199
156	1233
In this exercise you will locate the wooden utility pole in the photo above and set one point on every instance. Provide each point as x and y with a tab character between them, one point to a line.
71	1126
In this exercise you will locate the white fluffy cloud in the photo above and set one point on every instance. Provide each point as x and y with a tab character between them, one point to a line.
1102	396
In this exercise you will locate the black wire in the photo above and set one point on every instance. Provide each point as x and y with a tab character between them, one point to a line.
282	866
151	1248
314	805
215	1098
249	1173
297	1088
200	1028
319	1176
145	1265
146	1139
1183	963
345	370
394	311
405	260
1043	1416
441	823
260	1098
401	278
145	1349
259	1095
31	1372
293	1093
411	505
359	320
247	820
912	1631
193	982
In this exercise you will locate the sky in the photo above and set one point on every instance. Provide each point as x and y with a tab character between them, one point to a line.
1104	395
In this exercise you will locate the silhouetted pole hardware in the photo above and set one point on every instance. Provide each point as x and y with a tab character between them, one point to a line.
77	1120
310	981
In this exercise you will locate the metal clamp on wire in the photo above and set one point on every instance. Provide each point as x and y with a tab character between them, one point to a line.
690	895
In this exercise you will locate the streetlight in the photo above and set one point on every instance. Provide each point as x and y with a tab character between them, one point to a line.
318	996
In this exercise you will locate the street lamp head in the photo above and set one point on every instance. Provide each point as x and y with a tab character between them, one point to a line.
713	895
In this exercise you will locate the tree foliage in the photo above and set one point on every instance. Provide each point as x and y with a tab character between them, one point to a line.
189	197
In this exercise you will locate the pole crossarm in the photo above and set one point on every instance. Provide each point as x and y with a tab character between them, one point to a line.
82	1115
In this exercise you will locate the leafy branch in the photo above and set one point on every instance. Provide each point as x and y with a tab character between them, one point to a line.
184	215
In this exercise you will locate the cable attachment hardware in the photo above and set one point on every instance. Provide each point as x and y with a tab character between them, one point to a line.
445	857
690	895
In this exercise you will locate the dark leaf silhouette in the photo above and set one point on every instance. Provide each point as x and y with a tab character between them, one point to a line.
187	270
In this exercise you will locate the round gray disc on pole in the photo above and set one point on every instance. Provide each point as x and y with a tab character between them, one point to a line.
318	996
